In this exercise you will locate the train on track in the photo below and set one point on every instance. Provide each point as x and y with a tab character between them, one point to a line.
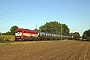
27	34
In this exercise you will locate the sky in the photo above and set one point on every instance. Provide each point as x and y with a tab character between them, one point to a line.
29	13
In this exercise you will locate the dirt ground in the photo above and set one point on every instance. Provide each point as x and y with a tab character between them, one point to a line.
55	50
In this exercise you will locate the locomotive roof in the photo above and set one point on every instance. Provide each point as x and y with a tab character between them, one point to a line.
27	30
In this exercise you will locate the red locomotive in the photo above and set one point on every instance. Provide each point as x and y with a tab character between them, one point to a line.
25	34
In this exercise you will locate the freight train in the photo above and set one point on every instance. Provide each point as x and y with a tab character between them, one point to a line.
27	34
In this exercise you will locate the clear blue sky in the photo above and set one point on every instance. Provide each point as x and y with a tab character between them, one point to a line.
27	13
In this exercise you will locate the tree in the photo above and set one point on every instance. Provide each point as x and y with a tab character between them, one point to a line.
7	33
86	34
76	35
55	28
65	29
13	29
0	33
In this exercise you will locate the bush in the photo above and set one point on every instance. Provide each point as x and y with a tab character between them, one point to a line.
76	38
1	39
88	38
7	40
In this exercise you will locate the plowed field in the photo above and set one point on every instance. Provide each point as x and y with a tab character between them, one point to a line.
54	50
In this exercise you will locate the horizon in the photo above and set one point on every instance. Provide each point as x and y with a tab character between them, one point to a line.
29	13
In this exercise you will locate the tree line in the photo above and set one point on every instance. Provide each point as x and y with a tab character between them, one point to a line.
11	32
54	27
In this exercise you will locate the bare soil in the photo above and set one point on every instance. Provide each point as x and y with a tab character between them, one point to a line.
54	50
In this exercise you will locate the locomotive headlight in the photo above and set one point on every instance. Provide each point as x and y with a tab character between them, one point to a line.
18	34
46	34
38	33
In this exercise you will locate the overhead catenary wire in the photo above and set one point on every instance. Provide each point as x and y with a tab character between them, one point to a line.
21	23
17	19
13	18
19	16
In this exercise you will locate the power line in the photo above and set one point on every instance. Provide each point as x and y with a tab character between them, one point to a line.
13	18
18	20
19	16
21	23
13	21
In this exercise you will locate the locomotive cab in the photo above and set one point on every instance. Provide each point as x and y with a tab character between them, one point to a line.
18	34
25	34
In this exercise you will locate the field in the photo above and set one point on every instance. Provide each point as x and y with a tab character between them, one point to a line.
46	50
7	37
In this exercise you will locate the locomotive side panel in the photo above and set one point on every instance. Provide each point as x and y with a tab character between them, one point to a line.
25	34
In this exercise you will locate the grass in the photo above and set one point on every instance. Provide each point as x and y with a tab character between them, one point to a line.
21	43
13	43
10	44
7	37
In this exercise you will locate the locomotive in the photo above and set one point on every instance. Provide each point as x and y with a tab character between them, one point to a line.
27	34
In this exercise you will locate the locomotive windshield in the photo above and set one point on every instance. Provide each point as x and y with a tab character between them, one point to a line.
18	31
